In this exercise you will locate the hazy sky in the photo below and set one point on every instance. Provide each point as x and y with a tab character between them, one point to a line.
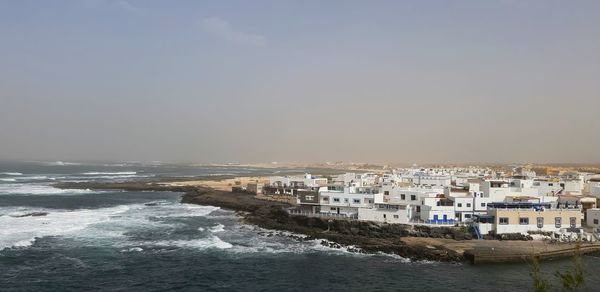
252	81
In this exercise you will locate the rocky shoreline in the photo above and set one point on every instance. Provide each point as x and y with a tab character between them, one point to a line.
365	237
414	242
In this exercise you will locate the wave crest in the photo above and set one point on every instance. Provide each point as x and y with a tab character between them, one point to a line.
32	189
12	173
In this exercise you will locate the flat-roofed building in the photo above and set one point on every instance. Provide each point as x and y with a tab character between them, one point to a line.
524	217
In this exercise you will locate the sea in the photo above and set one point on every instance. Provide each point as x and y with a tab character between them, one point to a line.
89	240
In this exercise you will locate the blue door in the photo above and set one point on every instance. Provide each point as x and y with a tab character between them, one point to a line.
445	218
435	218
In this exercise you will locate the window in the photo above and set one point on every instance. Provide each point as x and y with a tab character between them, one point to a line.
482	204
386	193
459	205
396	216
403	196
562	185
337	200
595	221
540	222
346	200
503	220
309	198
573	222
370	201
468	205
413	197
557	222
325	199
418	209
524	221
384	216
467	216
333	209
356	201
550	184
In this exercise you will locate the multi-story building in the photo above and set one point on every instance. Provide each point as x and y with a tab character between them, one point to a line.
345	200
524	217
387	211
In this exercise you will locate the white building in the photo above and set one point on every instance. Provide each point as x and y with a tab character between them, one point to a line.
549	187
306	180
496	190
437	210
385	211
345	200
423	179
594	186
465	207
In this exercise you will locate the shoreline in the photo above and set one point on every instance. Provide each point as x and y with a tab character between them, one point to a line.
414	242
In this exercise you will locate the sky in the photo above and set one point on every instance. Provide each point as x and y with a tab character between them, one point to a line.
306	81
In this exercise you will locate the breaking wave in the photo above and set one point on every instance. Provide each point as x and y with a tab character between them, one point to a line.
12	173
22	231
33	189
37	177
218	228
201	243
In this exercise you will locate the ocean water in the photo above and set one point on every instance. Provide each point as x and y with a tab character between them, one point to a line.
69	240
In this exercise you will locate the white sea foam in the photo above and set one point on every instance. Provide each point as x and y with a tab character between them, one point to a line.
22	231
181	210
61	163
126	227
200	243
12	173
110	173
37	177
37	189
133	249
218	228
8	179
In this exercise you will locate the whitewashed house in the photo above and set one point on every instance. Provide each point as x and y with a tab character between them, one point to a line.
549	187
345	201
437	210
385	210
